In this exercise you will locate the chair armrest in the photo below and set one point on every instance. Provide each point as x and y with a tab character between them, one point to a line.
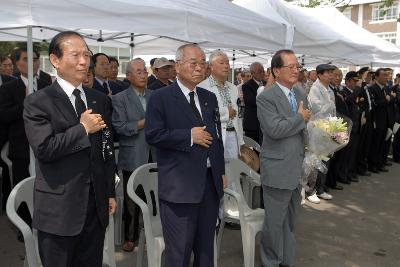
239	200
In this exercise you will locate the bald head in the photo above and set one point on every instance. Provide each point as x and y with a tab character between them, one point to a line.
136	73
257	71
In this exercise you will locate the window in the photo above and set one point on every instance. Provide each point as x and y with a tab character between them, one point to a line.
380	13
347	13
388	36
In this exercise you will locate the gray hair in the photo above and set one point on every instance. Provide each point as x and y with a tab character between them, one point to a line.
216	53
254	66
129	67
180	50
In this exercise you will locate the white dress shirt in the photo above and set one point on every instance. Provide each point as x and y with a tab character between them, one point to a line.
68	88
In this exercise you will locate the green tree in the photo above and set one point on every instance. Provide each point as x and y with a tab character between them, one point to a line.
7	48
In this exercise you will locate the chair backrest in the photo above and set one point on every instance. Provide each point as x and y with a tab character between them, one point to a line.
234	170
23	192
6	159
147	176
251	143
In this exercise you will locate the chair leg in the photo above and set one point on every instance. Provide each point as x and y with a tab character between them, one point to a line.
219	236
140	253
248	238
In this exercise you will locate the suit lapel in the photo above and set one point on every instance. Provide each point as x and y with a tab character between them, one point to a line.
203	104
282	99
63	104
91	101
134	98
181	101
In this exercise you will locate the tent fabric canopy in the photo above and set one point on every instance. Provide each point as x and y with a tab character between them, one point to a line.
211	23
326	35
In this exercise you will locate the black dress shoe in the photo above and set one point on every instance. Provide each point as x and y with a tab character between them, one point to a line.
365	174
383	169
354	179
337	187
374	170
344	181
388	164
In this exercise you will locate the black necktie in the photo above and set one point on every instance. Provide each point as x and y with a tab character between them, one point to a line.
105	87
193	105
80	106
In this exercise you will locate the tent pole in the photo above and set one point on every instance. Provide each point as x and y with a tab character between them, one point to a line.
30	85
233	66
30	56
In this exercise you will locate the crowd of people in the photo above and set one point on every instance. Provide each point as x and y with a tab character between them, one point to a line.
187	117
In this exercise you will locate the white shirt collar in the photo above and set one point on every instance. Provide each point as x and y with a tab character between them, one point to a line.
25	80
101	81
284	89
184	89
68	87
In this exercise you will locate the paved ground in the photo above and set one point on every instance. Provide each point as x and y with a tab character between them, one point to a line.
360	227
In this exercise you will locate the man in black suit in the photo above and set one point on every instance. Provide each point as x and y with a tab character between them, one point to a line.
366	126
113	74
6	66
182	122
6	70
152	76
162	68
391	113
12	95
251	125
351	94
380	122
336	171
75	167
101	63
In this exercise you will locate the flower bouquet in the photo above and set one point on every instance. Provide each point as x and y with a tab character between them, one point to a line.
324	137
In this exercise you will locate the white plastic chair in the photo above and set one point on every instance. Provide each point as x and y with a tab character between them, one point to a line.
6	159
147	176
23	192
251	220
248	184
251	143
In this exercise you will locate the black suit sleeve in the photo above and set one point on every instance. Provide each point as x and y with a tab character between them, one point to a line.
10	110
48	144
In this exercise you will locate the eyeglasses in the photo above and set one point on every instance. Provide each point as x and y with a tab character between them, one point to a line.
140	73
292	67
194	64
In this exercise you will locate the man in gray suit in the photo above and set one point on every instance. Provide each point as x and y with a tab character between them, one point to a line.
283	118
129	107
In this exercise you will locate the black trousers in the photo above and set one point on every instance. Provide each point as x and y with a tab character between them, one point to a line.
190	227
377	149
341	166
396	147
331	176
83	250
363	147
6	185
352	161
131	213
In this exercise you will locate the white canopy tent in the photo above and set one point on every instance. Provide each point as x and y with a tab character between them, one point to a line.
326	35
155	24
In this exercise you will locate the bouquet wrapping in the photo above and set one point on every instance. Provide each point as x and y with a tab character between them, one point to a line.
325	135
